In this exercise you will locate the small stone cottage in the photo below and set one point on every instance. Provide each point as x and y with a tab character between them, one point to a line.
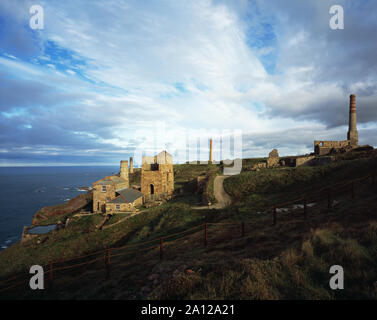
126	200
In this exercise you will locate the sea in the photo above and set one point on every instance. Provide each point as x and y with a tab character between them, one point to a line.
25	190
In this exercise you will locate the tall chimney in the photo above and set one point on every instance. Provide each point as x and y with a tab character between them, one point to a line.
131	165
210	152
352	133
124	171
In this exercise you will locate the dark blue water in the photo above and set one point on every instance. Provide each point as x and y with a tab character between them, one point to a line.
25	190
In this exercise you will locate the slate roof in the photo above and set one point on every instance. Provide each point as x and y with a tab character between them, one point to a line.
127	196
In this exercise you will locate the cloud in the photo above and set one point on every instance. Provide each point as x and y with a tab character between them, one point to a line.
101	74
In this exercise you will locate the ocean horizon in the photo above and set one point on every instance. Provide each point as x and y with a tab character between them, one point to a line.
27	189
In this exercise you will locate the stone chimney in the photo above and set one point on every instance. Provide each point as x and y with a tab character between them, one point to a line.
210	152
131	165
352	130
124	170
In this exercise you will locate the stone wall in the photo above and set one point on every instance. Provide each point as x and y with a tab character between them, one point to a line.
325	147
123	207
100	198
258	166
157	174
306	161
303	160
273	159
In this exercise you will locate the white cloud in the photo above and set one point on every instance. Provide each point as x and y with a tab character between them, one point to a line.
189	64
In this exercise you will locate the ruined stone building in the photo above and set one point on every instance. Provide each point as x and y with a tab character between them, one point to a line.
273	159
112	193
327	147
157	175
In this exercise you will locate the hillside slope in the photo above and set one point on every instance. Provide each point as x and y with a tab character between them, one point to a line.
289	260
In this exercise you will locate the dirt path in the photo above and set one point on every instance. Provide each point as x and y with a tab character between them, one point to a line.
223	199
121	220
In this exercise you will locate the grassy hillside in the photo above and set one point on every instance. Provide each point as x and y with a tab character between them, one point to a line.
257	190
288	261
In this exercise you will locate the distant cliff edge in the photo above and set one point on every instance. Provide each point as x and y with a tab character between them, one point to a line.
81	202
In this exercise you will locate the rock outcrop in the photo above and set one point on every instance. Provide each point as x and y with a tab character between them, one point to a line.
81	202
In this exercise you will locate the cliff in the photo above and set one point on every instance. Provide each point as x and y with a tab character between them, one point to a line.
81	202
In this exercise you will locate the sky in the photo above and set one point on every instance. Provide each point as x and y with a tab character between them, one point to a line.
105	80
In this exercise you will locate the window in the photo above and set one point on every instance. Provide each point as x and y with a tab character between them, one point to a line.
117	207
103	188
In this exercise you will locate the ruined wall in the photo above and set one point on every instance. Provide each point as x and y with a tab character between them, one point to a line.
162	181
325	147
157	174
303	160
258	166
273	159
332	144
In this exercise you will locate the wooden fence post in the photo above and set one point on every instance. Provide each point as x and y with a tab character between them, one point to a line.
51	275
243	229
205	234
161	248
107	261
305	209
274	216
352	190
329	204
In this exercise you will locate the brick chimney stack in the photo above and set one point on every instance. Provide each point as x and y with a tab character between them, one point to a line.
352	130
124	170
210	152
131	165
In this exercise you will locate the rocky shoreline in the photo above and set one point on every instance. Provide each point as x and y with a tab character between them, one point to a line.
81	202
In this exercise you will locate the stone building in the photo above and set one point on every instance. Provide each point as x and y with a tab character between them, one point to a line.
326	147
157	175
108	188
126	200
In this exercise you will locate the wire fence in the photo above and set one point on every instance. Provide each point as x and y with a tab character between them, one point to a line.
78	266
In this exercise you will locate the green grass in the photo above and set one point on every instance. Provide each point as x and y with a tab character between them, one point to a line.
255	190
290	261
209	191
301	273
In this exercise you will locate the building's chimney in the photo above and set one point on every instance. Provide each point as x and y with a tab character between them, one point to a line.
131	165
124	170
210	152
352	134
